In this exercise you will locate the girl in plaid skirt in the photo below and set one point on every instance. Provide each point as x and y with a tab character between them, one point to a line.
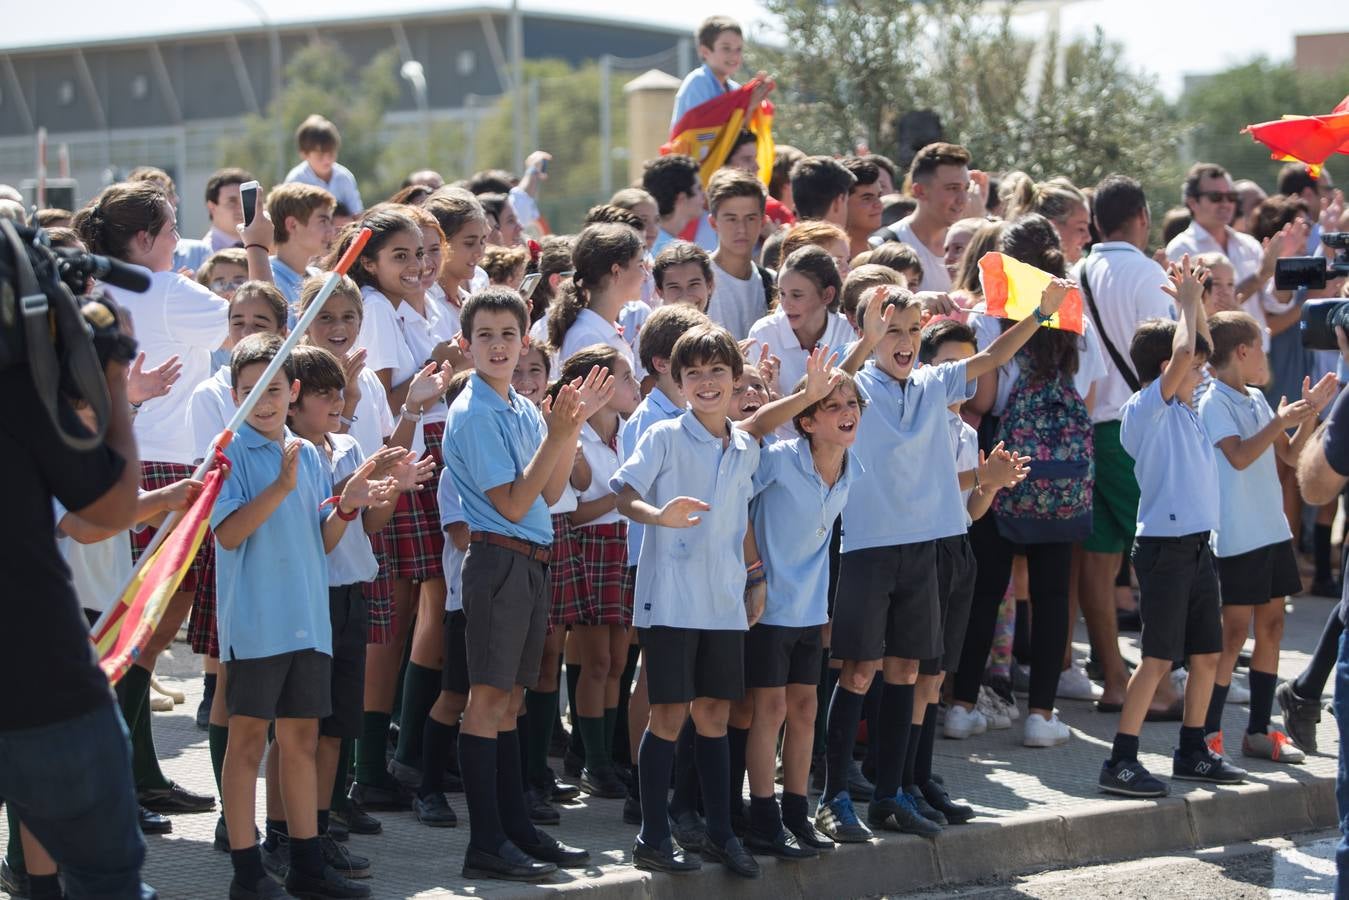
601	617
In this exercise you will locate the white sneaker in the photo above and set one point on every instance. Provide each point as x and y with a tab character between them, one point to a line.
990	707
961	723
1238	693
1042	732
1075	685
1180	677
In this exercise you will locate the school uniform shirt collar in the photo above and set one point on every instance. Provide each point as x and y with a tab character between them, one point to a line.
597	321
806	460
252	439
663	403
740	439
1204	241
487	395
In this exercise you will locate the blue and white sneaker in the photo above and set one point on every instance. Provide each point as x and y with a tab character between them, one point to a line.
1128	778
838	820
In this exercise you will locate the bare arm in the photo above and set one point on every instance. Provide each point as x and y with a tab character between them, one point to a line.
116	508
1000	352
1318	482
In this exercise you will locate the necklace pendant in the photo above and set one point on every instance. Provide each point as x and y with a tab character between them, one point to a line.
820	533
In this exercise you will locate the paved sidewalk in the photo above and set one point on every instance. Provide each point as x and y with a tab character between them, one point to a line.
1037	809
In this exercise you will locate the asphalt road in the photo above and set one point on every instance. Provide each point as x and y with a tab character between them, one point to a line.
1282	868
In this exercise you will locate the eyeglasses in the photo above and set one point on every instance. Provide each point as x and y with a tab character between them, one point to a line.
227	284
1219	196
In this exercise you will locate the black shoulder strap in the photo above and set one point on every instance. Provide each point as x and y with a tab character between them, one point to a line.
1124	368
769	279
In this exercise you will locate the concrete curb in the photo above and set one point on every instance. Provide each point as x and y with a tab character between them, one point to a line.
1089	833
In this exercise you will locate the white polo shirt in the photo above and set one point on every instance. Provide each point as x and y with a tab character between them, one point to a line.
1245	254
935	276
775	331
1127	286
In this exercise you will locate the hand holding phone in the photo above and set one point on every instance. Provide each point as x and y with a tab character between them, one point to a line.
248	195
529	284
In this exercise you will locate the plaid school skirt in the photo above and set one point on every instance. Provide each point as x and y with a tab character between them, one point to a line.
567	574
608	586
410	546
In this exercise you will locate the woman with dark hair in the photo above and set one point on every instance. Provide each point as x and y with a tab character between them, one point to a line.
1039	406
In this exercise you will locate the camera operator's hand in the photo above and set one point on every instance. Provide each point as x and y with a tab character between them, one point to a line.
1331	212
1290	240
146	384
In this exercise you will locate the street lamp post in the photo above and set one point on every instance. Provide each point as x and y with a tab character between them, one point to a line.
415	74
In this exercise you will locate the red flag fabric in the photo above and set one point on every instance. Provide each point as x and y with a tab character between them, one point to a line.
1306	139
1012	290
708	131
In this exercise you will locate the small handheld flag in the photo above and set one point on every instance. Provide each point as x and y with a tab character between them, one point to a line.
1307	139
1012	290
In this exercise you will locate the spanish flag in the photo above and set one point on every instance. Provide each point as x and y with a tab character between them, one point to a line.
122	634
708	131
1012	290
1306	139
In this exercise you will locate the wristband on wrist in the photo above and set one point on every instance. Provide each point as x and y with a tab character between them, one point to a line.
410	415
977	486
336	503
262	247
1041	318
753	567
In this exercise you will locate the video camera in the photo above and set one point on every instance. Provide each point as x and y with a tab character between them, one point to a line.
64	344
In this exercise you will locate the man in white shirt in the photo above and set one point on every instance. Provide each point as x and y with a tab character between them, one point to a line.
1125	286
226	210
940	177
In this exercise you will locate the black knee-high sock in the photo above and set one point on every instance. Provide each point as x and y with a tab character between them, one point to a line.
522	727
1262	699
437	741
337	797
911	751
922	770
736	740
1021	633
515	819
478	761
542	707
1311	681
686	788
896	716
1213	720
1321	551
714	772
872	710
845	711
824	692
622	751
574	679
421	687
655	758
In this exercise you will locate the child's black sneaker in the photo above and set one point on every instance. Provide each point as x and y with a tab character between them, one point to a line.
1128	778
331	885
1205	765
357	820
940	800
348	864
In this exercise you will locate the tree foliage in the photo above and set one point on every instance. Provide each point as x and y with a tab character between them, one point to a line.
853	67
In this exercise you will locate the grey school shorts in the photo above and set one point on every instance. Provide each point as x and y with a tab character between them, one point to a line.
888	604
506	616
296	685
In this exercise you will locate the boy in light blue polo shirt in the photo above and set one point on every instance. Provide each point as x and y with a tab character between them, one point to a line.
1253	544
694	600
1177	511
721	47
802	485
887	613
272	535
318	141
508	462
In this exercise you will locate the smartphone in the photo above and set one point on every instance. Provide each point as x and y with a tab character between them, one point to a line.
543	165
248	193
527	286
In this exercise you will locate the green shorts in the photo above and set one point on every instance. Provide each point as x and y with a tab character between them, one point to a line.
1114	510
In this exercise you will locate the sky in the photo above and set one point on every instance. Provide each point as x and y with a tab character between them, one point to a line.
1168	38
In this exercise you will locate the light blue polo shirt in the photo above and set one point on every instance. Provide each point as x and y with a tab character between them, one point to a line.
1250	500
272	591
909	490
489	442
692	577
1174	462
342	186
655	407
793	514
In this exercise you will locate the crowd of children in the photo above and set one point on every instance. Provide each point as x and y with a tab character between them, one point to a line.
754	493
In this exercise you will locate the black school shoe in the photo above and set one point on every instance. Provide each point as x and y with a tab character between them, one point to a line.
1128	778
434	811
356	819
265	889
541	812
604	784
783	846
331	885
733	856
221	841
549	849
938	799
632	810
898	813
689	830
391	796
1205	765
1300	716
509	863
175	799
153	823
668	857
807	836
925	809
13	881
348	864
555	791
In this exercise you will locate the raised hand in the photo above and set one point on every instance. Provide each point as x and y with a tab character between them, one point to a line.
1185	283
1054	294
681	512
1002	469
1331	212
411	473
260	230
821	375
428	386
770	369
1322	393
595	390
937	303
145	384
565	413
1292	414
361	491
182	494
876	321
352	364
290	466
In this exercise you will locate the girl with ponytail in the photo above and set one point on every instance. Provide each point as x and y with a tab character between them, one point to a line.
609	269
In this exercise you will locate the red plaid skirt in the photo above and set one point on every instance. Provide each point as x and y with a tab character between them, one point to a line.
409	547
567	574
608	578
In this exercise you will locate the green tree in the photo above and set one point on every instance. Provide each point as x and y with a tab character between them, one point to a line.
1220	105
853	67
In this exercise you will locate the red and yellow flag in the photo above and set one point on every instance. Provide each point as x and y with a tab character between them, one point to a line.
708	131
1012	290
131	622
1306	139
